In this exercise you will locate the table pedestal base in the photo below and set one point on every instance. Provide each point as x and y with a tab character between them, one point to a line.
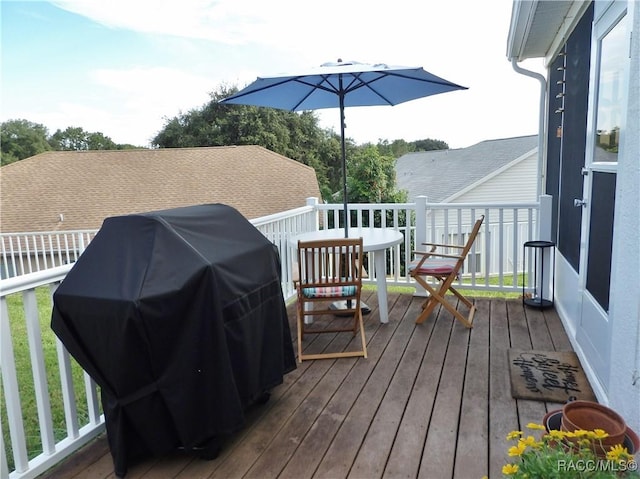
342	305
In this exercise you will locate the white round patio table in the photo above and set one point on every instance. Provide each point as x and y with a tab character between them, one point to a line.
375	240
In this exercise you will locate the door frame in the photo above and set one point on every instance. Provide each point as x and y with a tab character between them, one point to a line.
594	327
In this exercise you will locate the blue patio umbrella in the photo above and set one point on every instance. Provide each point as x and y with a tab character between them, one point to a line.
339	85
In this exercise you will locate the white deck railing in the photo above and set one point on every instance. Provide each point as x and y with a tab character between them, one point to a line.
67	406
30	252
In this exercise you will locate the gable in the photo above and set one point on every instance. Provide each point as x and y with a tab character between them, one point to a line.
516	182
445	174
69	190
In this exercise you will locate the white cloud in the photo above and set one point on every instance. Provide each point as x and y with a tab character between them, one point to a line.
234	41
227	21
145	96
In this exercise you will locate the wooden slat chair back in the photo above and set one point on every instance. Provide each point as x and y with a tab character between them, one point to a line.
329	271
444	267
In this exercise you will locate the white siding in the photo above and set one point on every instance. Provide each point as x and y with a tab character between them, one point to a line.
515	183
624	382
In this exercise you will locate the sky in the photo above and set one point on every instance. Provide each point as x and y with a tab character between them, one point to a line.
125	67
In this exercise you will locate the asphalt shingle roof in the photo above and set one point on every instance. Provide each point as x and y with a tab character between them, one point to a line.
86	187
440	174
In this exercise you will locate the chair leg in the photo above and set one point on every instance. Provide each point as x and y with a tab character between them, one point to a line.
437	297
456	314
300	325
358	323
430	303
468	303
363	339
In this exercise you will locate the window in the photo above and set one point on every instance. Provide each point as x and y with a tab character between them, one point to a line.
614	48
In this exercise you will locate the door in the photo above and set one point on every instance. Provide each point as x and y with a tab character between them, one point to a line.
605	126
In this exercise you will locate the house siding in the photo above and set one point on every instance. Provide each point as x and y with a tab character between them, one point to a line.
515	183
619	386
624	385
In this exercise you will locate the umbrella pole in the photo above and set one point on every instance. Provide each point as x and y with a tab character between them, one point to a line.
341	305
344	163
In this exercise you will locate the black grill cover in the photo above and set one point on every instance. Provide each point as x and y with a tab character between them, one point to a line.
179	316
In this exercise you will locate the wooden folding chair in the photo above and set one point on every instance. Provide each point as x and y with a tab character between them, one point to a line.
444	267
330	270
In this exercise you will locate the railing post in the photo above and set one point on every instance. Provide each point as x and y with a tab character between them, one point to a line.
313	201
421	235
12	392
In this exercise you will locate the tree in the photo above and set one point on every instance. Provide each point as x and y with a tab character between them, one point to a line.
428	145
396	149
372	177
294	135
76	139
21	139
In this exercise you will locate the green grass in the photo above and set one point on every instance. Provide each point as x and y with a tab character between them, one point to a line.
473	293
25	376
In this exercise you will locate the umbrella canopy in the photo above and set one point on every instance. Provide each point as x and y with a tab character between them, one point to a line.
339	85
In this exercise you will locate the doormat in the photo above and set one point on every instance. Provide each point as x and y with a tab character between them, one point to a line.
554	376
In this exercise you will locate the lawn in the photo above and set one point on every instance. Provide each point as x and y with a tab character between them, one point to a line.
507	279
25	376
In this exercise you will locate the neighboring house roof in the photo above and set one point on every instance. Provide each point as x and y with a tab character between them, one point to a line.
70	190
442	174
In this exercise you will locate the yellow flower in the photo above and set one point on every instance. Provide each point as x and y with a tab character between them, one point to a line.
509	469
617	453
533	425
598	434
530	441
555	434
580	433
514	435
518	449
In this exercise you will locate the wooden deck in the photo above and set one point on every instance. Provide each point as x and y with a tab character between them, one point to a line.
431	401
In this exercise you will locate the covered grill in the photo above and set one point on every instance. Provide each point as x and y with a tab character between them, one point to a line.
179	316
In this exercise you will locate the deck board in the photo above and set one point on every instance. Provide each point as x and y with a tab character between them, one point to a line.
474	415
431	400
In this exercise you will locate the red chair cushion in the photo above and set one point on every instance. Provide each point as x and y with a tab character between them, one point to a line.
434	266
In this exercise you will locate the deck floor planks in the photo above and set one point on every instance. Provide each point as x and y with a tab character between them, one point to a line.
77	464
503	413
406	451
432	400
521	338
339	457
470	460
283	447
314	446
438	454
559	336
372	457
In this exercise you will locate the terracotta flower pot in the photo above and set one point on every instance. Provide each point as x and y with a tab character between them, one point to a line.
632	441
553	421
588	415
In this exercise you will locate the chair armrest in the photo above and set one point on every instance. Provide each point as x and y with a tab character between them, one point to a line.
442	245
440	255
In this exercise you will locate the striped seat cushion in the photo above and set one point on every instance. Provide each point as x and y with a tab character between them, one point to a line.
329	292
434	266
